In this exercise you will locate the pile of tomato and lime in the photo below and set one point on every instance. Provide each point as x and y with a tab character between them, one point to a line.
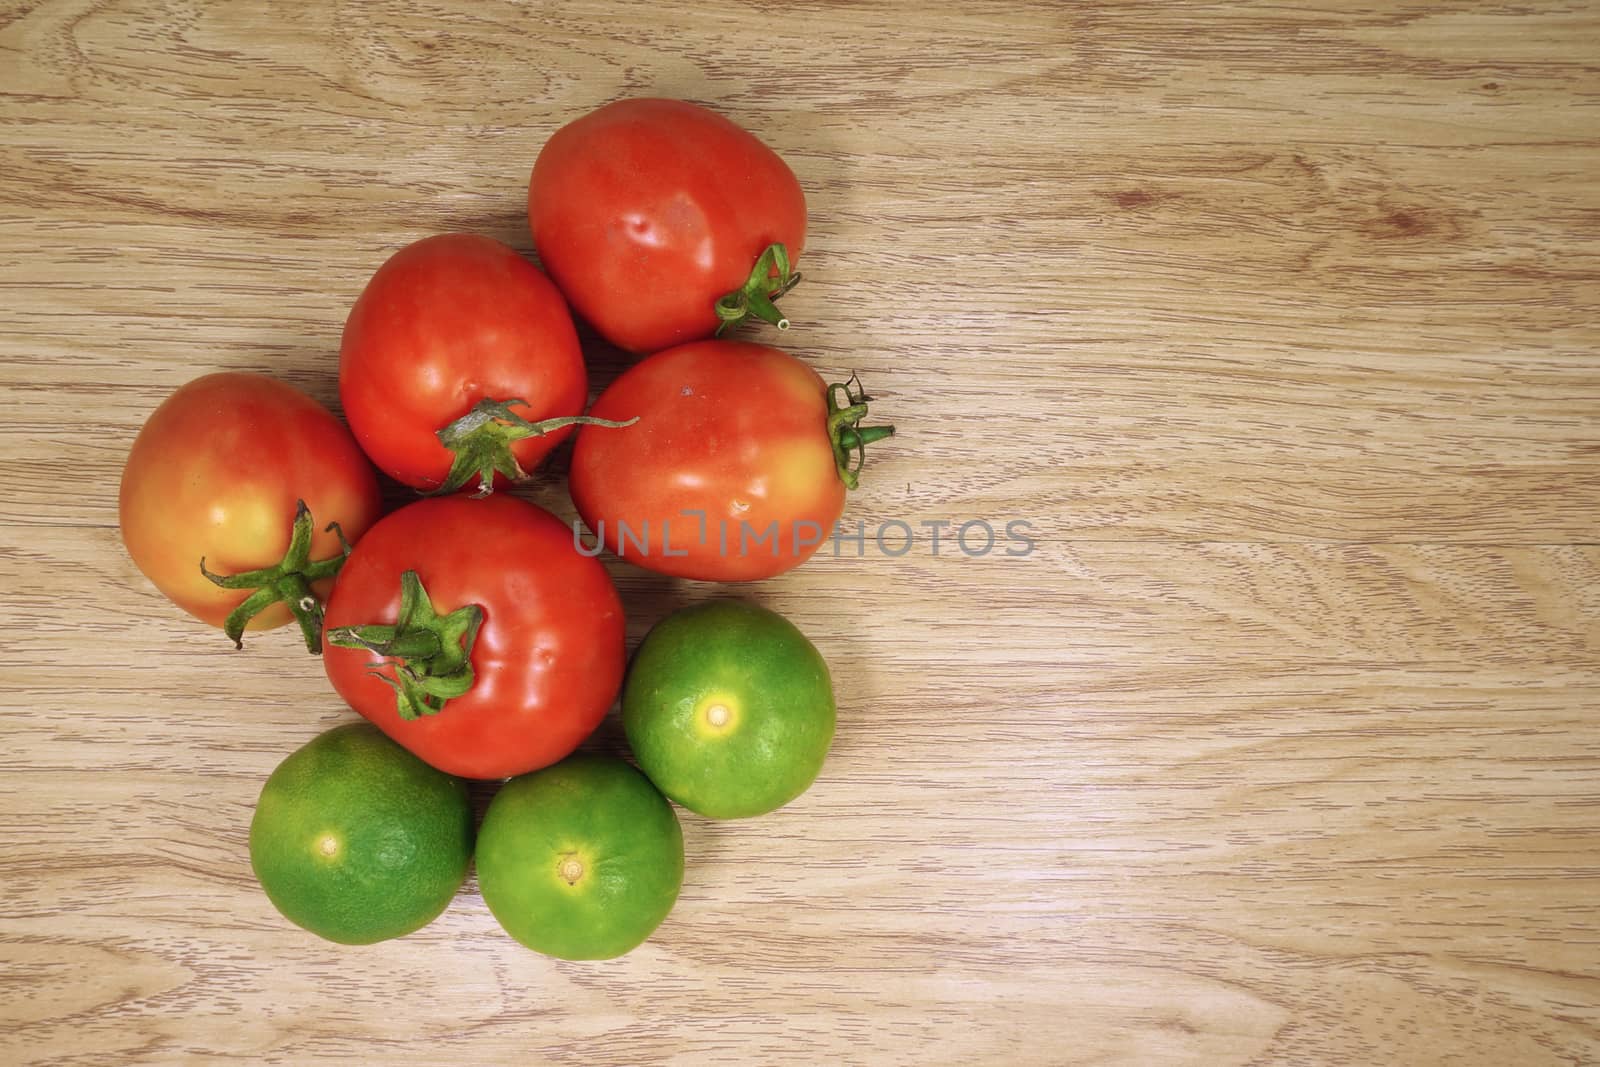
470	628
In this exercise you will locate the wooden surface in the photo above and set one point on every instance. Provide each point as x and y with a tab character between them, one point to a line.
1277	321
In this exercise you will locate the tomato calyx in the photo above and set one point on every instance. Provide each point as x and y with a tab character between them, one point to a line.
430	654
756	295
845	432
481	441
288	582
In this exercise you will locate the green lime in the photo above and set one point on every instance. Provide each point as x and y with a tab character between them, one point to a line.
582	860
728	709
357	840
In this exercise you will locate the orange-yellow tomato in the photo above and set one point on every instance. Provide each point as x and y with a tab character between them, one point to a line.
730	474
218	472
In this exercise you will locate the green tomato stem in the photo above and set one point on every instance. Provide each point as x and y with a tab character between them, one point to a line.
847	406
430	655
769	279
286	582
866	435
481	442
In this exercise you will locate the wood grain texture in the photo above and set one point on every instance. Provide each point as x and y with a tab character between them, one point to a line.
1279	325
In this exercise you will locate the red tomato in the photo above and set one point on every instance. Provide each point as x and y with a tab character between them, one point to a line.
736	469
218	473
512	653
648	212
449	326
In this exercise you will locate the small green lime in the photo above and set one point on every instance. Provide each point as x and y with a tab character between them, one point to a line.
582	860
728	709
357	840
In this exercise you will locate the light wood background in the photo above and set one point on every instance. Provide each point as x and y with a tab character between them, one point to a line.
1278	322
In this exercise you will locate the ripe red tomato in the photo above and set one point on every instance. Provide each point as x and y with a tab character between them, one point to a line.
736	469
453	355
245	473
509	643
647	213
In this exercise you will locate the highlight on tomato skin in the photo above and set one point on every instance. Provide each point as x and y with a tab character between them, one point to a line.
459	365
663	222
737	469
474	633
260	482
